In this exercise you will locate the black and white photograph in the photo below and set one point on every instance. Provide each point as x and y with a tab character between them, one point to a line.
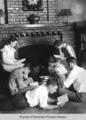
43	59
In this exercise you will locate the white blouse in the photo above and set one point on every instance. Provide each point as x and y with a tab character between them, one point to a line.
8	54
77	77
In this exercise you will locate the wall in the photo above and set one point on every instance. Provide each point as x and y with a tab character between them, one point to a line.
78	8
2	7
16	15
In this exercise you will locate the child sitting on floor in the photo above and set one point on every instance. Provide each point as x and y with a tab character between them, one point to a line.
19	80
19	83
58	69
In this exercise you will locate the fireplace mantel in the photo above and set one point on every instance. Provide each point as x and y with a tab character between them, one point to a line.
35	25
35	33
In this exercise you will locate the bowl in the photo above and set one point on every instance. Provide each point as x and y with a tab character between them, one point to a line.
33	19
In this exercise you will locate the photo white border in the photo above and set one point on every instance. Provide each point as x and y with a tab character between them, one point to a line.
42	116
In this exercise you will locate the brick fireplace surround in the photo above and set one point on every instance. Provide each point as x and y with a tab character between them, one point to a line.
38	33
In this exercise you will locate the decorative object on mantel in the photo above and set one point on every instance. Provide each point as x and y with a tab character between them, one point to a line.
1	14
33	19
65	12
32	5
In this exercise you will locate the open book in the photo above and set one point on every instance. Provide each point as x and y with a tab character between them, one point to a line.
62	99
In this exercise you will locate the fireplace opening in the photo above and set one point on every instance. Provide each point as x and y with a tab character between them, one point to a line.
36	54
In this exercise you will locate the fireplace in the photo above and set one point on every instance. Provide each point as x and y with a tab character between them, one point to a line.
36	47
37	54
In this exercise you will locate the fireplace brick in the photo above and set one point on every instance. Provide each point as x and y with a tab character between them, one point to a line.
65	30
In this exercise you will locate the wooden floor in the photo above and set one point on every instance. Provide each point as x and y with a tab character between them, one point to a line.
68	108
